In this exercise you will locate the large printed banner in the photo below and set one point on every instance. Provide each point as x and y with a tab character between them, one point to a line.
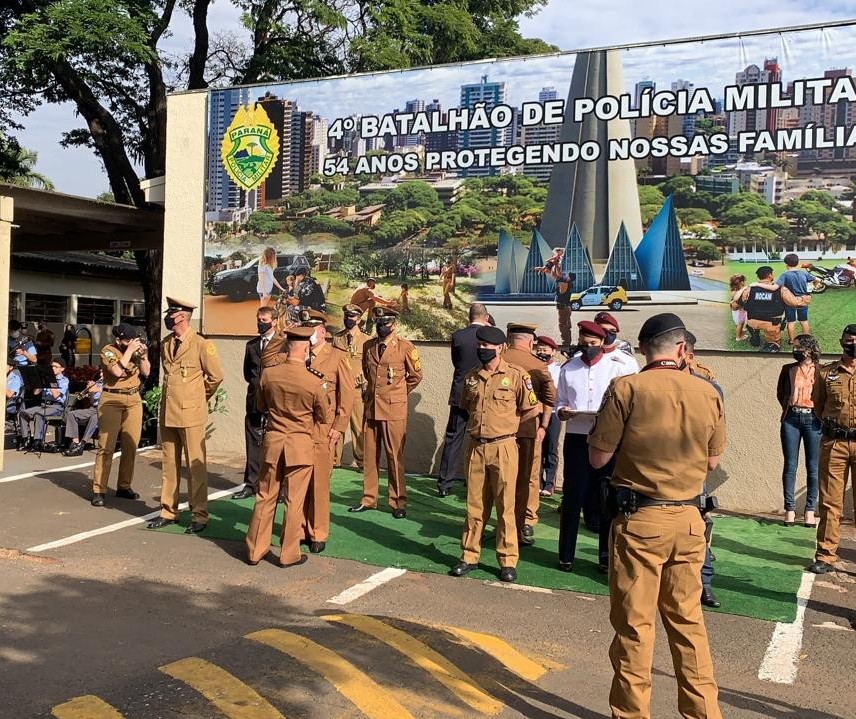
712	178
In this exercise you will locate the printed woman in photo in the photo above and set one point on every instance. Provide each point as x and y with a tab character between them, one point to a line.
267	281
738	314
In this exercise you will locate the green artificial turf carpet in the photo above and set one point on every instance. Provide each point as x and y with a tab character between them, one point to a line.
758	564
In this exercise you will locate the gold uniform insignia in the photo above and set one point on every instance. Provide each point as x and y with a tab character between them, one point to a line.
210	349
533	400
505	382
417	364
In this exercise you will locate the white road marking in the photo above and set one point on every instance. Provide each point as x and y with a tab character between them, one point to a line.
780	660
520	587
364	587
80	536
54	470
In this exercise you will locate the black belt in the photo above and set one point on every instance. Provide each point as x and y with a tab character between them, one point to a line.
136	390
838	432
492	440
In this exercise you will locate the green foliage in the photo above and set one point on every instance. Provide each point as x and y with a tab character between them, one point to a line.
262	224
692	216
217	404
17	165
323	223
745	210
413	194
704	250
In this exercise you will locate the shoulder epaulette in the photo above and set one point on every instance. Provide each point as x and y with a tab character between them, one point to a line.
316	372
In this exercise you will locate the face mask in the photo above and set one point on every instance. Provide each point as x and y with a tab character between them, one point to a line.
850	350
543	357
169	322
683	364
591	353
486	355
313	340
610	337
799	355
16	334
384	330
350	323
263	327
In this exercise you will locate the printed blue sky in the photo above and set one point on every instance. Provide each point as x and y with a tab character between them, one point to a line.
597	24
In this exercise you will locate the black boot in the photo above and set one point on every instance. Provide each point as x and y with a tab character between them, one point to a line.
24	444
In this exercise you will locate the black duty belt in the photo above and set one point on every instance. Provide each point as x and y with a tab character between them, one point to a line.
493	440
643	501
836	432
136	390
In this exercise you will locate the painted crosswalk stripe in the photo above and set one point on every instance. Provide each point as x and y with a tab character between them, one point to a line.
368	696
85	707
229	694
500	650
425	658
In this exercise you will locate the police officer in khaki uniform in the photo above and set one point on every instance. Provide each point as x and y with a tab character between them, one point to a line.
834	400
657	545
120	411
392	370
352	340
495	396
335	367
191	375
533	427
296	400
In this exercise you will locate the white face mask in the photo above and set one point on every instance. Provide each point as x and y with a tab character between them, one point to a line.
314	339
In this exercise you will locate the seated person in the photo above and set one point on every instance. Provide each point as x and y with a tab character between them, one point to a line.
14	389
22	351
88	415
31	421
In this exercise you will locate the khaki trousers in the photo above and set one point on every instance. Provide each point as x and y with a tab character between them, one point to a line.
296	485
356	425
120	416
491	471
388	435
528	492
772	332
837	457
176	441
316	522
655	564
564	324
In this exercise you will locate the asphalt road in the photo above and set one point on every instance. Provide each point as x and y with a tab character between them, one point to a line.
150	625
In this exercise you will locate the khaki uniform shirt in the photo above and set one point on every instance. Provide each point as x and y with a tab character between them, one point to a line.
496	400
296	400
191	375
389	379
130	379
834	395
272	350
354	349
664	425
363	298
338	383
542	381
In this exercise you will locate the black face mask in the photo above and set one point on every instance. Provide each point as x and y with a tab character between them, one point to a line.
682	365
610	338
591	353
799	355
543	357
169	322
350	323
486	355
264	327
850	350
384	330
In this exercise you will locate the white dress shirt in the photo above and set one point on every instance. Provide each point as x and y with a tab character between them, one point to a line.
582	386
555	370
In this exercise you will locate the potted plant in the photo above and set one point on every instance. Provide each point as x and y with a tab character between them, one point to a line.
218	404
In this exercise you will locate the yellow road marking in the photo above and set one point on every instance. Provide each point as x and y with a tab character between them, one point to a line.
426	658
368	696
502	651
228	693
85	707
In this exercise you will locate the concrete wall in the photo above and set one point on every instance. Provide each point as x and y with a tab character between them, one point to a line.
750	476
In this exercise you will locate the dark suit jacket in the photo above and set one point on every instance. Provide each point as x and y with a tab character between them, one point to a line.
786	384
252	371
464	358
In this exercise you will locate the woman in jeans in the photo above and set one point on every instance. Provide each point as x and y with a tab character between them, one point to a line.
796	383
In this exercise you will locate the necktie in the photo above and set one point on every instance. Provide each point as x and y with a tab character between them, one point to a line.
381	348
265	341
176	346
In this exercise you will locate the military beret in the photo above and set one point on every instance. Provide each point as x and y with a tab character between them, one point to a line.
299	332
352	310
604	318
849	330
546	341
174	304
520	328
660	324
384	313
592	329
309	317
125	331
491	335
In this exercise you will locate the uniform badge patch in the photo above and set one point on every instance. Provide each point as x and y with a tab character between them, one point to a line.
533	400
506	382
472	381
109	354
211	349
527	381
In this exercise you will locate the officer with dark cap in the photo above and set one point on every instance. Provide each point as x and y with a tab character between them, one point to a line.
657	544
124	364
191	375
834	400
495	396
